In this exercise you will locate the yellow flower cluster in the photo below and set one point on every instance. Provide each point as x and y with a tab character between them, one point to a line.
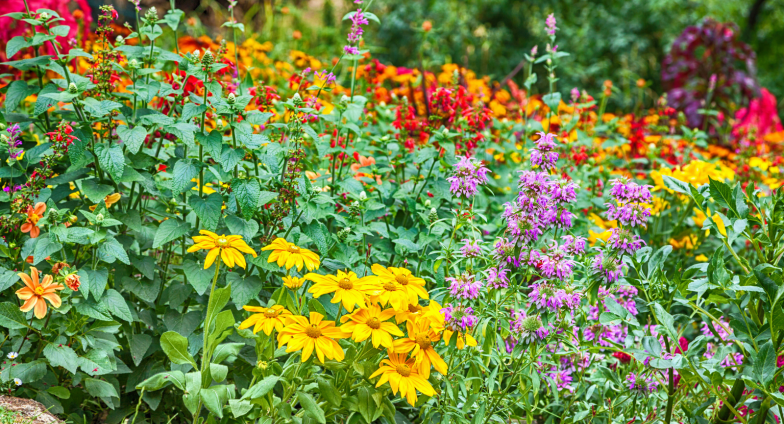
695	173
377	305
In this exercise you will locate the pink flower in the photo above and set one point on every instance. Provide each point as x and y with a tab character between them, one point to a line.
761	117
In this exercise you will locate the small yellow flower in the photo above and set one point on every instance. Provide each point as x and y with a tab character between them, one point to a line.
230	248
402	375
371	322
289	254
400	287
312	335
266	319
719	224
348	289
701	258
293	283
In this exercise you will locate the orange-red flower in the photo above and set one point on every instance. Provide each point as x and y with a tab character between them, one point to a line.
35	293
73	281
33	215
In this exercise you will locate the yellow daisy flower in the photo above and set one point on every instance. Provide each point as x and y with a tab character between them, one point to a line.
266	319
402	375
348	288
312	335
400	287
108	201
371	323
420	343
289	254
230	248
409	313
293	283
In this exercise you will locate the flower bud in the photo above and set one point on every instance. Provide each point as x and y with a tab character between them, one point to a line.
72	88
43	16
344	100
343	234
433	215
133	64
99	218
316	189
73	219
427	203
208	59
119	39
363	196
152	14
231	99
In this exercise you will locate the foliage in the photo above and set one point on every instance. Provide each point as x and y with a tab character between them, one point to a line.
220	234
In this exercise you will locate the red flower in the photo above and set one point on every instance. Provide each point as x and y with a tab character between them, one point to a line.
162	167
622	357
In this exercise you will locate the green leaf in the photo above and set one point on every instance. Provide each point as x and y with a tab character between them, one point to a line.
170	230
244	289
239	407
140	343
245	228
94	191
111	159
44	248
198	277
212	401
184	171
111	250
722	193
43	103
7	278
311	407
329	392
207	209
676	185
218	372
133	138
765	364
320	235
213	143
17	91
30	372
60	355
100	388
247	193
163	379
116	305
261	388
14	45
366	404
60	30
11	317
175	347
226	350
59	391
666	320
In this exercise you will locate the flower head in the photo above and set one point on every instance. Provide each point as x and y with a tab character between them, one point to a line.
12	355
267	319
642	384
464	286
471	248
230	248
468	175
34	214
496	278
419	342
348	288
73	281
549	24
543	154
313	334
403	375
372	323
289	254
293	283
36	293
108	201
398	286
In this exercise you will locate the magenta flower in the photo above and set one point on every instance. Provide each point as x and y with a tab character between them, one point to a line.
464	286
642	384
608	268
549	24
471	249
356	31
459	318
543	154
496	278
467	177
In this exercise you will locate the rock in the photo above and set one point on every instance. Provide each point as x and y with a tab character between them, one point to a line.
28	411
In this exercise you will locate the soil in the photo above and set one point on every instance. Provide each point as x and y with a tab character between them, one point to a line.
29	411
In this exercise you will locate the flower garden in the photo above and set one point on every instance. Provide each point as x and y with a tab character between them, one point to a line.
215	230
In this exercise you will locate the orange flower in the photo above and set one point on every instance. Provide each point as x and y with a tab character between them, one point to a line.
58	266
109	201
34	293
33	215
73	282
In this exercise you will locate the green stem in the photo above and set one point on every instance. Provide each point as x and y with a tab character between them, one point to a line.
205	357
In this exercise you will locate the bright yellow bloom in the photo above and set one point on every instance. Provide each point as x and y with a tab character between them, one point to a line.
35	293
348	288
289	254
409	313
701	258
420	343
230	248
293	283
371	323
695	173
266	319
402	375
400	287
699	217
206	189
314	335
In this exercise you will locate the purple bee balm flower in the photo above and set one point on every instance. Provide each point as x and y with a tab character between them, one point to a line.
556	266
471	249
625	191
564	192
464	286
329	77
504	251
459	318
545	296
467	177
641	384
574	245
543	154
527	329
608	267
496	278
633	214
624	241
549	24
